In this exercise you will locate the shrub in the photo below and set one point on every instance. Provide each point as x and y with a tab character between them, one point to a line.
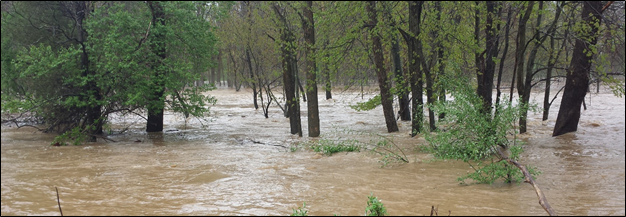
474	137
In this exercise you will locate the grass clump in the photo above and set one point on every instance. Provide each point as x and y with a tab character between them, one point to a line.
329	147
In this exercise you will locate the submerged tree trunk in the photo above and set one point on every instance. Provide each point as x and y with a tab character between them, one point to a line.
551	62
157	45
527	86
94	111
414	45
252	80
327	84
546	97
504	52
520	49
311	82
289	79
383	82
403	95
577	81
440	88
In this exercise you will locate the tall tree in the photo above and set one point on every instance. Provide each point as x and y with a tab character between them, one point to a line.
520	49
486	65
157	45
383	81
415	46
577	81
401	84
504	54
287	47
310	69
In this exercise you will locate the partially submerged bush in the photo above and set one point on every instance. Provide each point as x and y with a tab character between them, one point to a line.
474	137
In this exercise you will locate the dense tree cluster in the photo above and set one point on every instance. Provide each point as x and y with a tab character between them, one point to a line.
69	65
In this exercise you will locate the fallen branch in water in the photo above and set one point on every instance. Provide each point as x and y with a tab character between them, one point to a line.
262	143
102	137
59	201
529	179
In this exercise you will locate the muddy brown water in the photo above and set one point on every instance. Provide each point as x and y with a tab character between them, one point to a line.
236	166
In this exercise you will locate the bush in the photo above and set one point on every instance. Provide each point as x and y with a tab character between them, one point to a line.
375	207
469	135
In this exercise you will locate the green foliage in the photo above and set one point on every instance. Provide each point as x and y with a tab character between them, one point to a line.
467	134
329	147
375	207
71	83
368	105
300	211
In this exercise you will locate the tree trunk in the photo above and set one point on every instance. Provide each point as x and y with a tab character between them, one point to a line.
94	112
327	85
403	95
504	52
430	98
487	64
289	78
520	49
383	82
220	72
252	80
310	68
527	86
414	45
546	97
551	62
157	45
441	91
577	79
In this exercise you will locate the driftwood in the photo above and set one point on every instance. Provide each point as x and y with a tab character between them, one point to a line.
262	143
529	179
58	201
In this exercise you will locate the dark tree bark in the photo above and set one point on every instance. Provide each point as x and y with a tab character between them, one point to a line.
247	10
252	79
546	97
403	95
157	45
219	69
486	65
327	85
414	45
289	79
94	112
310	68
520	49
527	81
504	52
401	83
577	79
441	91
551	62
383	82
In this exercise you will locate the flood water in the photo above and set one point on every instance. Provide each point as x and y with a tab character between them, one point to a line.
238	165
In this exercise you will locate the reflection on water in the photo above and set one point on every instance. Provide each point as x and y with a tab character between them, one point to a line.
236	166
